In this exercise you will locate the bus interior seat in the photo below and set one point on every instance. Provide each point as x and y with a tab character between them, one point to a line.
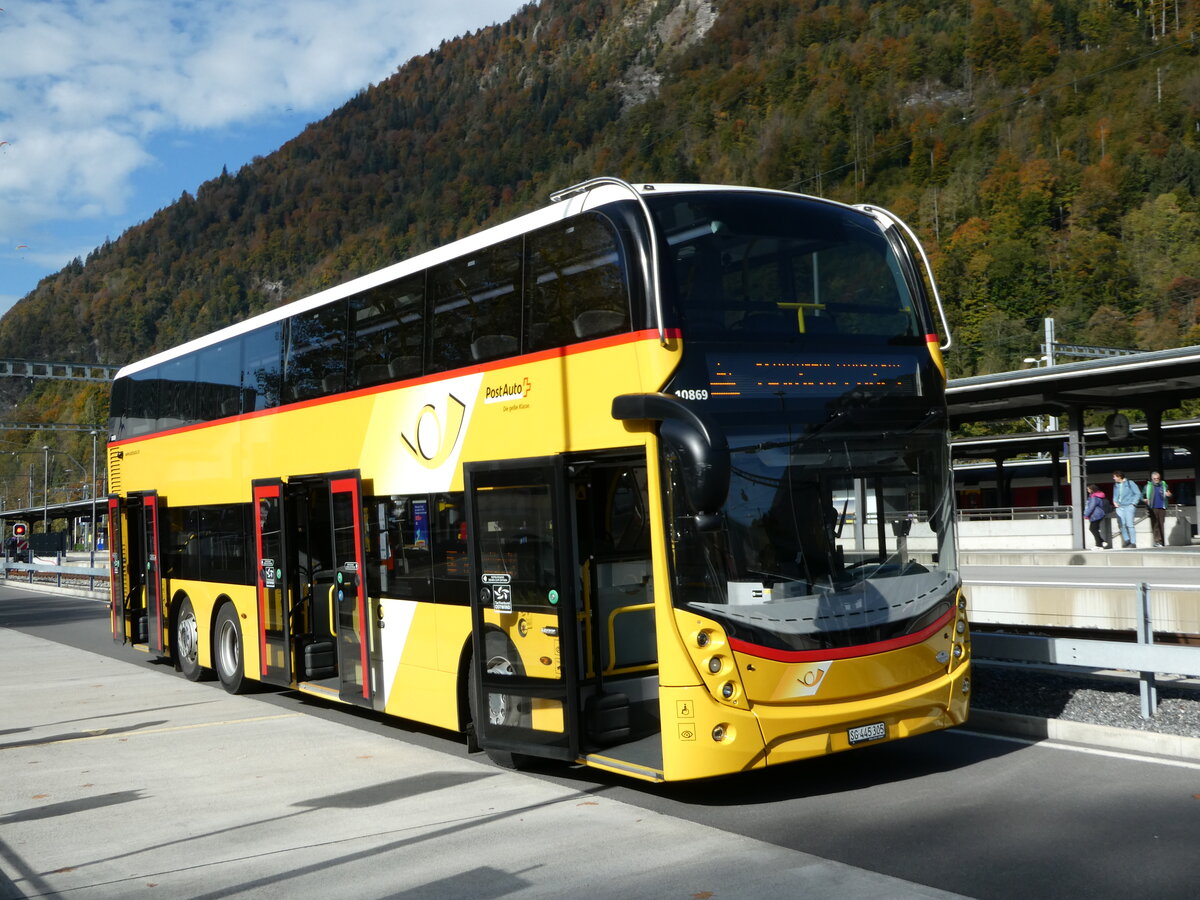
597	322
539	334
373	374
405	367
493	346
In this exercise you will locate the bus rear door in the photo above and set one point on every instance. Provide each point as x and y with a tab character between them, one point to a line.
118	583
523	608
136	554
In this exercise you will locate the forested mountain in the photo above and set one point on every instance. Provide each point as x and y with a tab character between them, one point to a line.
1046	151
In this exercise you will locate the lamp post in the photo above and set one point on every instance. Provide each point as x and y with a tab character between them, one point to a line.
45	489
92	530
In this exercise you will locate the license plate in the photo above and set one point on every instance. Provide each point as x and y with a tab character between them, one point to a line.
874	732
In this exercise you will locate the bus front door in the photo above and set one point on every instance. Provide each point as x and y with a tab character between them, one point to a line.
273	581
525	692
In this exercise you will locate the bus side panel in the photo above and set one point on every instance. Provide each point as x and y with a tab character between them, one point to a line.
206	598
415	687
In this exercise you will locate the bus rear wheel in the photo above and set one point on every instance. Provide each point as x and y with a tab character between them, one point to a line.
227	650
187	642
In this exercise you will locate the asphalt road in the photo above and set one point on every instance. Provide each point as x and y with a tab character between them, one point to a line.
960	812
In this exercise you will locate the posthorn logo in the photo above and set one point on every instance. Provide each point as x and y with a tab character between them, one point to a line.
432	437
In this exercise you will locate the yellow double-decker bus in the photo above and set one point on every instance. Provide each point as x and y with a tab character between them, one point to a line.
654	479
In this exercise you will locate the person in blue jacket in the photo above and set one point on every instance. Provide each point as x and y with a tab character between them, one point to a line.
1126	497
1157	497
1094	512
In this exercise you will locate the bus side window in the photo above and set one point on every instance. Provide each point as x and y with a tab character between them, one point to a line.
577	287
449	534
218	378
315	361
476	314
399	562
142	400
177	395
387	325
261	367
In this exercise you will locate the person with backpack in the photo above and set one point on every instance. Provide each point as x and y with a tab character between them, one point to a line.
1095	512
1126	497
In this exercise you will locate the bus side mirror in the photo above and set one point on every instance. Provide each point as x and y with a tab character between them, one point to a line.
698	443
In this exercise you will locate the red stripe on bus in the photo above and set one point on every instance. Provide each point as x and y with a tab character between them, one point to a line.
795	656
615	340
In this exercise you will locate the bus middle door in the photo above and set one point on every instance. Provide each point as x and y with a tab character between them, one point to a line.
523	608
273	582
350	588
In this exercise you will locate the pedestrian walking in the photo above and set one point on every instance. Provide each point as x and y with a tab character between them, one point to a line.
1126	497
1095	511
1158	494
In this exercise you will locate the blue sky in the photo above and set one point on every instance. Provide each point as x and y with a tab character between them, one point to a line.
110	109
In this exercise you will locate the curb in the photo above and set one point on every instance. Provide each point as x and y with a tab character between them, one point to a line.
19	585
1086	734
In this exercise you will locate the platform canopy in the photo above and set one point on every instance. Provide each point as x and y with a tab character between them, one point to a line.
1151	382
1154	381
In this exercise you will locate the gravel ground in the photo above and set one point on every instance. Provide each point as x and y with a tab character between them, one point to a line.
1097	700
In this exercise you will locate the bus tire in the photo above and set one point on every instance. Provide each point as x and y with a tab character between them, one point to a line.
227	650
186	646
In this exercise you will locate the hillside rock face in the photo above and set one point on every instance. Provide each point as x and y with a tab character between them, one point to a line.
1048	159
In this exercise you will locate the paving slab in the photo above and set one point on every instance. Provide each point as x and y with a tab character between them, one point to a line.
120	782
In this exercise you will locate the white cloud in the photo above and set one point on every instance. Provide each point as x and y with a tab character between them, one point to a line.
86	86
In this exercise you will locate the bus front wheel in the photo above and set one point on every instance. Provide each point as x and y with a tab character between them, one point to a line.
501	709
227	650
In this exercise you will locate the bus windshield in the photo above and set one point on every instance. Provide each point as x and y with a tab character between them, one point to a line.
753	264
837	537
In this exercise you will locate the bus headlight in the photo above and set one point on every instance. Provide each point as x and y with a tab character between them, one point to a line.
714	664
727	690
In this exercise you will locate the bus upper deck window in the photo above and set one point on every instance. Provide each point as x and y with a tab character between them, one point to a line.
578	289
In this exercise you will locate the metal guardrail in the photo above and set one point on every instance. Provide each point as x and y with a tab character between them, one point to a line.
1013	513
1145	657
58	570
